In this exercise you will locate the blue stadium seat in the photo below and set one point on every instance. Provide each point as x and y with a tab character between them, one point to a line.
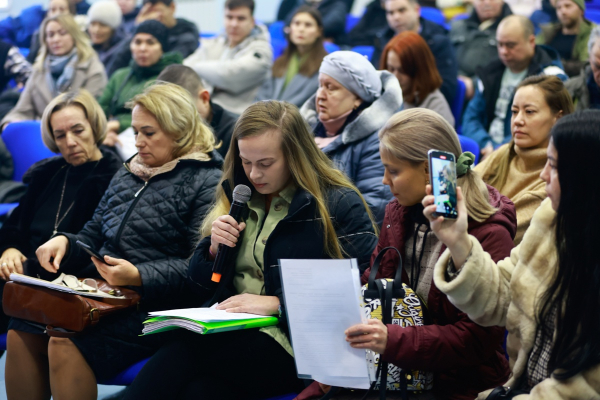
468	144
3	341
366	51
434	15
538	18
461	16
276	30
458	103
125	378
24	142
331	47
208	35
351	21
593	15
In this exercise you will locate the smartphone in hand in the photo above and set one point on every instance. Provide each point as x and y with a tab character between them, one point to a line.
88	249
442	175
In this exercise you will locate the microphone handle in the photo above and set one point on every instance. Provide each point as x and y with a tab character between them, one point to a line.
236	211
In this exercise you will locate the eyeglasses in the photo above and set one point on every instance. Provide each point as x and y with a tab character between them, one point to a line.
88	285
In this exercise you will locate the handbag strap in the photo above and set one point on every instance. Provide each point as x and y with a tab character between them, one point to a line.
371	290
50	331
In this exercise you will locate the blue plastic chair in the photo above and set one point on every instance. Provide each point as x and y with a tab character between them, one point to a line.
458	104
468	144
126	377
539	18
331	47
366	51
461	16
593	15
351	21
208	35
24	142
3	341
434	15
276	30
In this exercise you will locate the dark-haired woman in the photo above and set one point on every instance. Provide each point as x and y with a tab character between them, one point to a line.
295	74
514	169
409	58
546	293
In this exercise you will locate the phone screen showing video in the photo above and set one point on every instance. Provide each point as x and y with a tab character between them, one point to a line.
443	181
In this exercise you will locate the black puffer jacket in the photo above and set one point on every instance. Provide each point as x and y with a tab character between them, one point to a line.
15	231
297	236
154	225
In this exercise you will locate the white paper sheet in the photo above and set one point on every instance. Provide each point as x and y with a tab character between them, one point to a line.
126	148
322	301
59	286
205	314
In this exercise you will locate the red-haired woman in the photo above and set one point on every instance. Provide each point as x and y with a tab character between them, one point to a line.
409	58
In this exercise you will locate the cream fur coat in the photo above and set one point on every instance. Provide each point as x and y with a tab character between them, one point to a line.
507	293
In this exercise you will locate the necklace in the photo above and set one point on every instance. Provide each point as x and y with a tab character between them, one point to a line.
57	221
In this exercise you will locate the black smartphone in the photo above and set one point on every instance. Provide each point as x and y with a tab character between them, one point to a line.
442	174
90	250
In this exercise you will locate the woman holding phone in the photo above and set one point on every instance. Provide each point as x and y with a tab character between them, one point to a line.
301	208
546	292
455	348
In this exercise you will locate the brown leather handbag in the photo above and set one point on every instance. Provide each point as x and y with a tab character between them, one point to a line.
55	309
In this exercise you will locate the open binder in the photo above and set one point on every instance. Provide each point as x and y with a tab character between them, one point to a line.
204	321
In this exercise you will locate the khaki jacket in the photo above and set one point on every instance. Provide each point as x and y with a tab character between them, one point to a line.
506	294
37	95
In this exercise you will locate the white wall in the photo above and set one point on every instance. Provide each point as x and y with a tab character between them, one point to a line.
207	14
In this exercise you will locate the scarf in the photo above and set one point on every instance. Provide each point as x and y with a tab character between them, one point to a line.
60	71
333	125
145	172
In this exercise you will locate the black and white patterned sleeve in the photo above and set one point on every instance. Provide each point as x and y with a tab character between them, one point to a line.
17	66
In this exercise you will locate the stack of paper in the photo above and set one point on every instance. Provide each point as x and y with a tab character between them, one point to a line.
204	320
322	299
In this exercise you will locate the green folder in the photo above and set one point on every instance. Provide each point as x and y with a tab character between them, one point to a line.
166	323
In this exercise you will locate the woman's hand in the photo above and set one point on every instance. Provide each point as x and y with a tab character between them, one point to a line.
225	230
252	304
51	253
373	336
11	261
118	272
453	233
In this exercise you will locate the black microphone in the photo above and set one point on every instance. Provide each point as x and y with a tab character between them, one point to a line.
241	195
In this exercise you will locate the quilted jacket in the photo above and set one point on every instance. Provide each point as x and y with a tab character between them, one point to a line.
154	225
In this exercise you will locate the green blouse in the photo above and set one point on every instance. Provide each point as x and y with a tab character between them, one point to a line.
249	269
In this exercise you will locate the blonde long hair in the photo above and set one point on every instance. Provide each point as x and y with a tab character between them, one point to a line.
310	168
410	134
82	42
176	113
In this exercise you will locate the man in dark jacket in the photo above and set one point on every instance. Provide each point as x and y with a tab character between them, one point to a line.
487	118
585	88
333	13
183	34
219	119
404	15
474	38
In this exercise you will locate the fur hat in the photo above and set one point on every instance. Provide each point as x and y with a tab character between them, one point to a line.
106	12
354	72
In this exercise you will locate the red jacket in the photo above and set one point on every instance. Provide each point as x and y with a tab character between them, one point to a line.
465	357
